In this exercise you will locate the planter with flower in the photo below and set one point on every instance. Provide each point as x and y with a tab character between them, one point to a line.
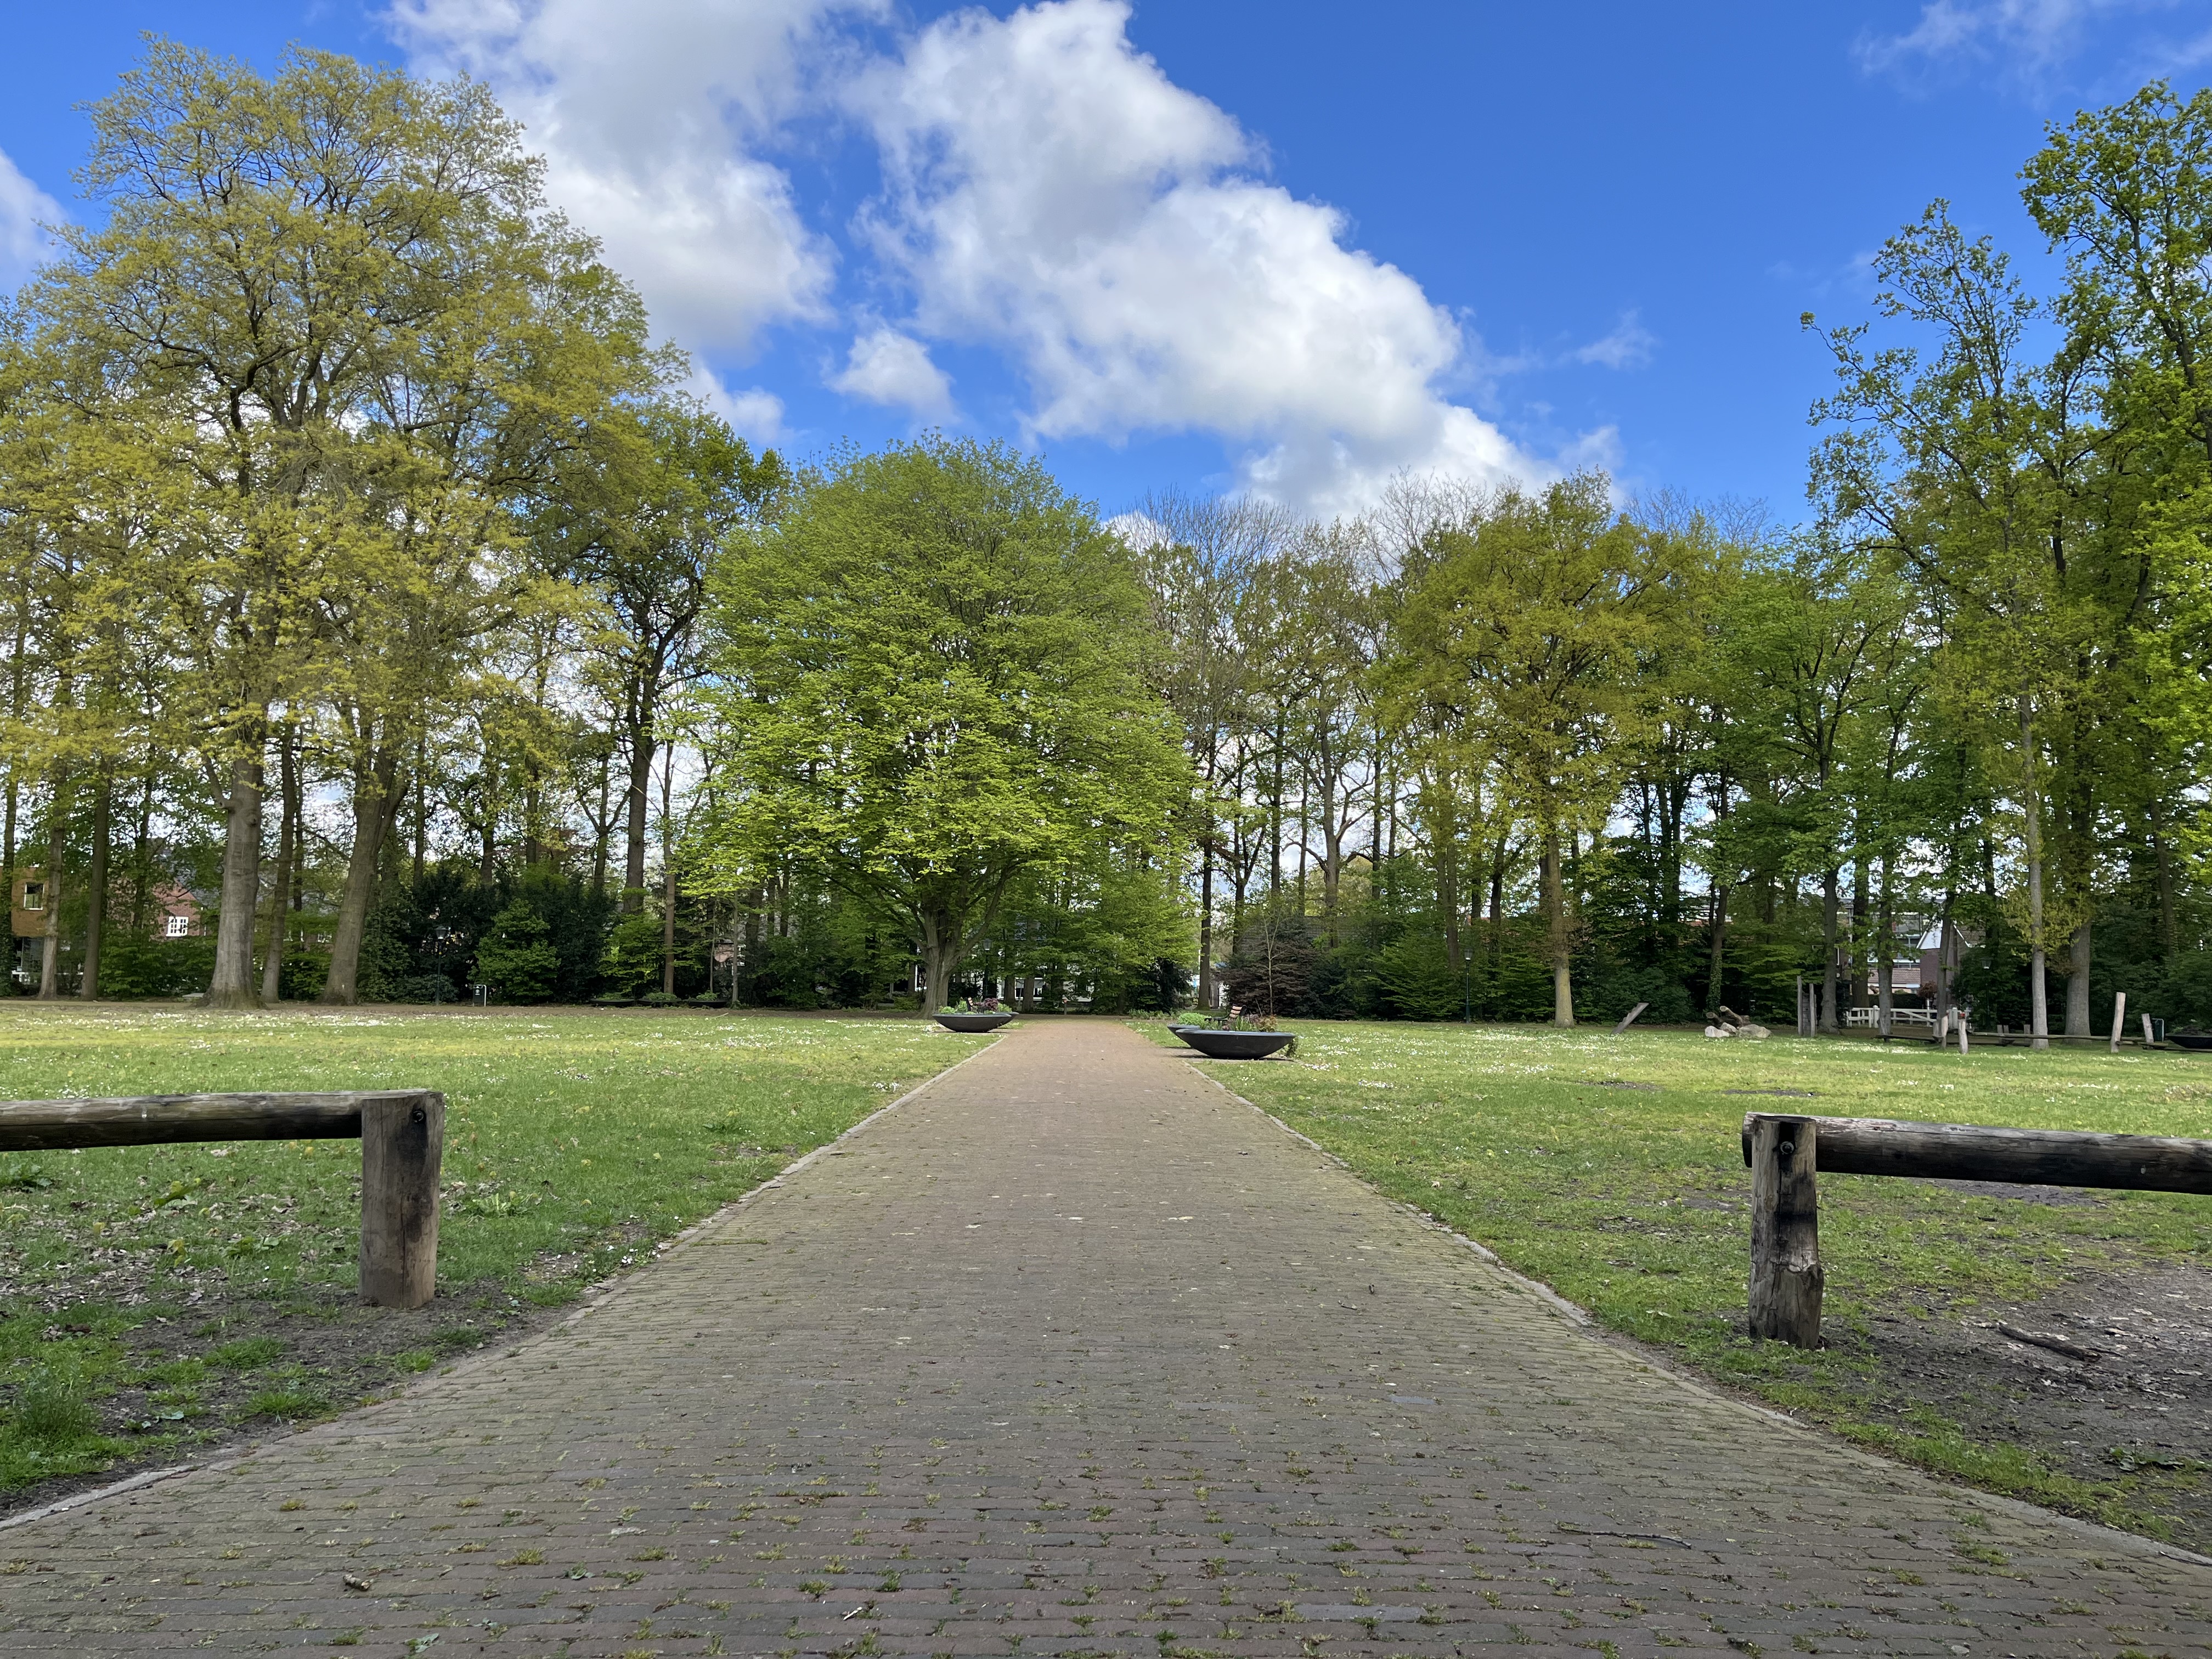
974	1014
1237	1035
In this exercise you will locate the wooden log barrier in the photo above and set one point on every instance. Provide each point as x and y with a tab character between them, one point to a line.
1786	1154
1786	1278
401	1133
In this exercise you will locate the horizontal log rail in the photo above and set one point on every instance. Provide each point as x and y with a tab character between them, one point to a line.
1786	1154
401	1133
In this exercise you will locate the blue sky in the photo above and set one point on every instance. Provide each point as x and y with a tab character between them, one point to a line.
1221	243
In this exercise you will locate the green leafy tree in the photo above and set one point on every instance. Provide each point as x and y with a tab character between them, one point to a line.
639	516
930	681
327	329
1527	627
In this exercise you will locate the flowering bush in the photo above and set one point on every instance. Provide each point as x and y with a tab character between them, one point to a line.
1237	1020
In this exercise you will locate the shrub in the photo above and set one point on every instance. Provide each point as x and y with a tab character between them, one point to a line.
302	974
135	965
425	987
632	963
517	956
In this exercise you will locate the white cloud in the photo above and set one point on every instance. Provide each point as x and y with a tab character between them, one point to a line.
1629	346
887	366
647	112
2029	37
755	413
23	207
1050	191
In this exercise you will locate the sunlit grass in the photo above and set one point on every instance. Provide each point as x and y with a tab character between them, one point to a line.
1633	1200
575	1144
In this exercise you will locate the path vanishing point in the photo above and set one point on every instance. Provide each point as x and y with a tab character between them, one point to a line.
1073	1353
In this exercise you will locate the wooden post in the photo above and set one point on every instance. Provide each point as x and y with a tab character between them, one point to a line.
2119	1018
1962	1034
2148	1040
403	1144
1629	1019
1785	1231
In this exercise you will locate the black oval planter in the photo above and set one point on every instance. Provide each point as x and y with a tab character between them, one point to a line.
973	1022
2189	1039
1232	1045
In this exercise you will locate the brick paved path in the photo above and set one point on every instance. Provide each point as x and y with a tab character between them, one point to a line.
1074	1353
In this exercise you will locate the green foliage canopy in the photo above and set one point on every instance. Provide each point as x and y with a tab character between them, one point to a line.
931	679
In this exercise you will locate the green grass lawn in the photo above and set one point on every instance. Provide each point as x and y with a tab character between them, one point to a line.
1633	1201
157	1295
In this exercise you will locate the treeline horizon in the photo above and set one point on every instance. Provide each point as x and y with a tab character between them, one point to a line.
371	577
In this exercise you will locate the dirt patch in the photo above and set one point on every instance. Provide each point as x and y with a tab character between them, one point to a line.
2140	1414
231	1369
2064	1197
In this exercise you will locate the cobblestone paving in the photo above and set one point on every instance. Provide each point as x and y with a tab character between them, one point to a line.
1074	1353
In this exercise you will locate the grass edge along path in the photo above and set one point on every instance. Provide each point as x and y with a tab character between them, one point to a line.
157	1300
1609	1170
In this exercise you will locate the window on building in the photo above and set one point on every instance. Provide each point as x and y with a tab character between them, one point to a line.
179	927
35	896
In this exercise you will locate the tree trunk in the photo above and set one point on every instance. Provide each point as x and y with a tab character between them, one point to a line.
1947	956
422	808
1831	906
1855	947
941	950
373	805
1674	800
602	825
50	963
1275	818
1555	916
668	875
1447	858
142	850
1498	904
1885	989
95	886
7	848
280	894
488	828
638	801
2077	984
1719	932
1205	921
232	984
668	933
2038	991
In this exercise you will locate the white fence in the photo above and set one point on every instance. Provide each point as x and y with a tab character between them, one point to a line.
1871	1017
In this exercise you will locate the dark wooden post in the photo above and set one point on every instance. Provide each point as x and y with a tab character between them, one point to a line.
1629	1019
403	1144
1785	1231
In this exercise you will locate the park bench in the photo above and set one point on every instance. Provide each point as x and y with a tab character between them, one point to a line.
1787	1153
401	1133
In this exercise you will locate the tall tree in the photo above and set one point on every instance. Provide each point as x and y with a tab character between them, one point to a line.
1978	470
639	520
1532	618
1201	559
931	677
